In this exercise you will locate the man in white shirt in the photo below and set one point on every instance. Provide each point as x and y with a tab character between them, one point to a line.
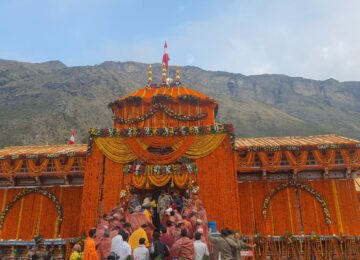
201	248
120	247
141	252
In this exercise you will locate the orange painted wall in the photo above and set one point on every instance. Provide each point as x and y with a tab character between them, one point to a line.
36	214
217	179
283	213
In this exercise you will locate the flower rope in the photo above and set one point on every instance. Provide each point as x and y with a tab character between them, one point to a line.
160	107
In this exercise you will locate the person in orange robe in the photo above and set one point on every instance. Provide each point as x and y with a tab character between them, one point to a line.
183	248
89	248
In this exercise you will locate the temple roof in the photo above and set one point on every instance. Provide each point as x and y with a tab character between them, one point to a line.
296	142
175	93
43	151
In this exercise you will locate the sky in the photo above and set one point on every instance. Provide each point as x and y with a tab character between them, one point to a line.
316	39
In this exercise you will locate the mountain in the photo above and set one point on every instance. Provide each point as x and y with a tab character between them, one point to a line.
41	103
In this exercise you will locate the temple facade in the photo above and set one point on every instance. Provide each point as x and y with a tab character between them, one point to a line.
165	136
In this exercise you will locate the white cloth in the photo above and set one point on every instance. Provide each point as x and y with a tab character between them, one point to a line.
141	253
201	249
119	247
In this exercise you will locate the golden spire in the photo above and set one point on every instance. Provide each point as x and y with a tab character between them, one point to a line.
163	74
149	75
177	77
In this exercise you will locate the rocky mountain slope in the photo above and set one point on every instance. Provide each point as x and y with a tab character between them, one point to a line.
42	103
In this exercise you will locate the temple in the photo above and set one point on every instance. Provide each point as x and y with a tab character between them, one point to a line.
165	136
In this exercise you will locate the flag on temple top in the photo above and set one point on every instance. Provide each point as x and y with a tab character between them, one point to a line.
72	138
166	57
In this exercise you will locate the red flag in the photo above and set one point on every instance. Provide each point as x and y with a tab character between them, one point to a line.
72	138
166	57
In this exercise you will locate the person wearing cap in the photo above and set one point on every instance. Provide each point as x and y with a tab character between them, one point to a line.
166	216
75	254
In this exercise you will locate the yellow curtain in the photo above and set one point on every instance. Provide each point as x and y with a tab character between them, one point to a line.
115	148
203	145
66	167
159	180
140	150
125	150
139	181
181	180
31	164
9	169
142	181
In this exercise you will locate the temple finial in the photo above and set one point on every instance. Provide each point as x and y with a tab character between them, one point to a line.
163	74
149	75
177	77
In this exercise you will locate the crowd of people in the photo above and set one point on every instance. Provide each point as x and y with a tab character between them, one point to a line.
168	227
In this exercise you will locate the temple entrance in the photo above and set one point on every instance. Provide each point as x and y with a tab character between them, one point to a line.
154	193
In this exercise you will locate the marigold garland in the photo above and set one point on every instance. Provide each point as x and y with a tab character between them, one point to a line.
142	168
165	131
160	107
125	150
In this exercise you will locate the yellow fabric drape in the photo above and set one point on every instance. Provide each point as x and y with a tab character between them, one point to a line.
9	169
31	164
159	180
139	181
142	181
140	150
125	150
66	167
180	180
203	145
115	148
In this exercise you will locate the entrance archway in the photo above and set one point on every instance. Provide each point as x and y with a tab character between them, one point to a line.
302	186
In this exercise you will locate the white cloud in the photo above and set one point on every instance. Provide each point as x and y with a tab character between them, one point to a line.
314	39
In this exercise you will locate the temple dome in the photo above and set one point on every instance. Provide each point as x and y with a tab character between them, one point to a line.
164	106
